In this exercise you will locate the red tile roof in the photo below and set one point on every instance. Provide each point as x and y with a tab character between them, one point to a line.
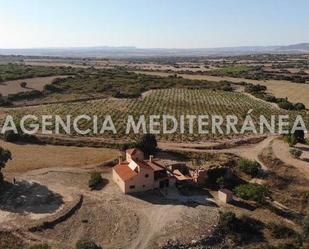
144	165
124	171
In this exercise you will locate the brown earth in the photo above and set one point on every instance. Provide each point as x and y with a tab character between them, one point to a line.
29	157
13	86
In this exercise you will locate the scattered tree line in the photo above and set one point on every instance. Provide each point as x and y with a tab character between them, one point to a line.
259	91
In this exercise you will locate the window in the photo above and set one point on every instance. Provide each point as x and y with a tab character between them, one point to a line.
146	175
132	187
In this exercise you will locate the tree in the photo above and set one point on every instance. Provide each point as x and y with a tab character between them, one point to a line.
5	156
95	180
249	167
299	106
221	182
86	244
254	192
23	84
148	144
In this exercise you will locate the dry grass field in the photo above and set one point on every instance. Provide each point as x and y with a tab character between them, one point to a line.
13	86
28	157
295	92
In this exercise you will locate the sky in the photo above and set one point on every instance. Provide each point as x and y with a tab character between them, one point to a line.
152	23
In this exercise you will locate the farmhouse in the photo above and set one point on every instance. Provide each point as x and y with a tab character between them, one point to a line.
136	174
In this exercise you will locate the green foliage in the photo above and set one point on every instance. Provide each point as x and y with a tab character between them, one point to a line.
23	84
40	246
305	225
86	244
280	231
239	229
95	180
148	144
296	153
291	139
254	192
251	88
4	102
18	71
25	95
249	167
299	106
221	182
5	156
12	137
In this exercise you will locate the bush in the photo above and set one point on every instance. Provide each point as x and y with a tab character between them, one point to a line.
290	139
23	84
5	102
280	231
305	225
95	180
249	167
240	229
254	192
25	95
250	88
40	246
286	105
11	136
148	144
296	153
299	106
221	182
86	244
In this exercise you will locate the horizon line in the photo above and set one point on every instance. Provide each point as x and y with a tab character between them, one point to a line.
152	48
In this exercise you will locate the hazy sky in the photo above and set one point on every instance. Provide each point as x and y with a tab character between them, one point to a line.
152	23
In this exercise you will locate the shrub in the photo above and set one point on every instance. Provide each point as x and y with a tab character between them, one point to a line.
290	139
5	102
305	225
250	88
228	221
221	182
249	167
240	229
286	105
40	246
23	84
148	144
299	106
11	136
254	192
86	244
296	153
25	95
95	180
280	231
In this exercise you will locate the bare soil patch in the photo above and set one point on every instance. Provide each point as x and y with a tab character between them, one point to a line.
13	86
29	157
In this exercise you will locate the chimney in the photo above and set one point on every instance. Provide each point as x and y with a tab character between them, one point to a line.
151	158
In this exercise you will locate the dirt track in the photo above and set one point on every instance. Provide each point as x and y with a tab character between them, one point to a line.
111	218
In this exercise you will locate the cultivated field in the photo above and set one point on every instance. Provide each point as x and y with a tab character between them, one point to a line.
296	92
13	86
29	157
174	102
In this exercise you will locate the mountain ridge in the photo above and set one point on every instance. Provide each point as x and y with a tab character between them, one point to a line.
131	51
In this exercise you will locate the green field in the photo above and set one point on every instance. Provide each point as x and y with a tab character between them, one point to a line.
174	102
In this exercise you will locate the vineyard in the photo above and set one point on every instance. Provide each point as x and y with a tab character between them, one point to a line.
175	102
